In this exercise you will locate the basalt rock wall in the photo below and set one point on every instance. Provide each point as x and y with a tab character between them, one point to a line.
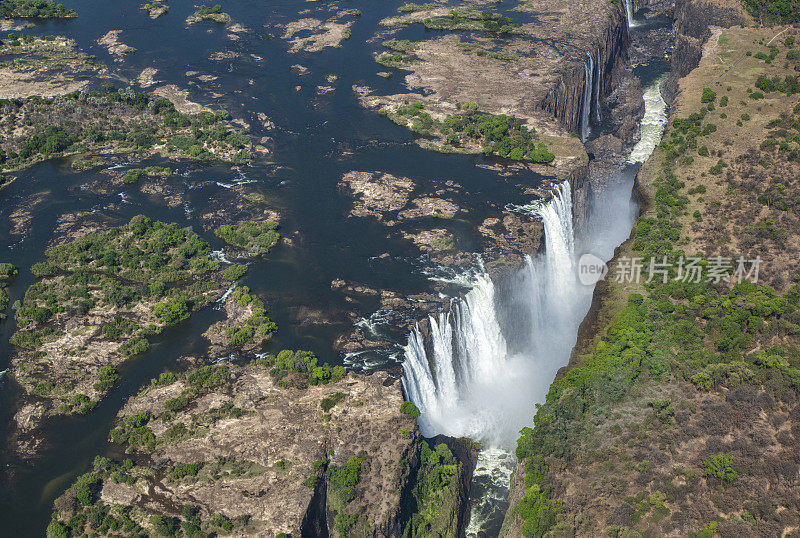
608	52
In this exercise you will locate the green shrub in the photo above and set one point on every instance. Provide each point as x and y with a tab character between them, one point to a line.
720	466
182	470
176	404
708	95
329	401
257	237
172	310
343	480
410	409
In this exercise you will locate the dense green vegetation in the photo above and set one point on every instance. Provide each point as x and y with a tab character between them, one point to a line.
330	401
142	262
720	466
474	20
773	11
34	9
7	272
401	55
500	135
410	409
135	174
341	490
300	369
435	493
257	237
122	120
257	328
209	13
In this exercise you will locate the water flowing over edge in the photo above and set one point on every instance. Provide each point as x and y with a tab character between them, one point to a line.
588	68
461	395
629	13
469	381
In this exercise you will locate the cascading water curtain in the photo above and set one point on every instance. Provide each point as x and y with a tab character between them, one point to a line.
466	382
586	111
597	82
629	13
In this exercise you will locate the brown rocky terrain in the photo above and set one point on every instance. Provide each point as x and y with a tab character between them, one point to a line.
321	34
115	47
537	73
250	455
45	66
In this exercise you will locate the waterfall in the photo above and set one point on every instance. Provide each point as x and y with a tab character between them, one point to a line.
598	81
487	390
586	112
629	13
469	382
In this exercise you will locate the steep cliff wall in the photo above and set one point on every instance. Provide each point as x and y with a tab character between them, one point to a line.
608	50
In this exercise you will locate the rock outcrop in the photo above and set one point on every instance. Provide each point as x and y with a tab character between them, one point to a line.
249	451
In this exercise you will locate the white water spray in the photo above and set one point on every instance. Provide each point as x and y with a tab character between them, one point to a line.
655	117
468	381
598	81
491	359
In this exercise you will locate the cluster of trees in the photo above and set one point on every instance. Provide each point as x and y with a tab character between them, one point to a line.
777	11
34	9
471	19
257	237
686	132
341	490
500	135
144	251
257	325
789	85
300	368
7	272
436	488
125	120
209	13
87	513
135	174
401	55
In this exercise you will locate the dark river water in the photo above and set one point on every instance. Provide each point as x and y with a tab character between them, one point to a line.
317	139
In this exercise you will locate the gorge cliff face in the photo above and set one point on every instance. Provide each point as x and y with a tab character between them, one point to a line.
608	52
692	27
